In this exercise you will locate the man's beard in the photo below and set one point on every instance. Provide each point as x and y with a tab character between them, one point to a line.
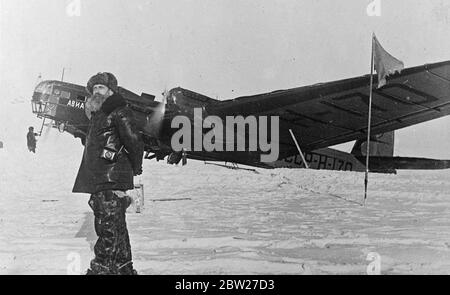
94	103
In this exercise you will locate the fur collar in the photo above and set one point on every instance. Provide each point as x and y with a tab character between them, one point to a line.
113	102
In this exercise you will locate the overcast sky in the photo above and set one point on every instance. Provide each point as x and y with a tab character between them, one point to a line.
223	49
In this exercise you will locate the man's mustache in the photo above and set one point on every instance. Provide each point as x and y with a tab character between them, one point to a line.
94	103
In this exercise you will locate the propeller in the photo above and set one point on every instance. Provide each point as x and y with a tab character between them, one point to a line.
155	118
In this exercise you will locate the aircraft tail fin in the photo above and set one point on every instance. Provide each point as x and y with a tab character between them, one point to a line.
381	145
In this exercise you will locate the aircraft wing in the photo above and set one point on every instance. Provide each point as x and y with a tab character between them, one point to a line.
331	113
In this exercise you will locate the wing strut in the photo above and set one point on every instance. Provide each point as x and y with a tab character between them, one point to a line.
299	150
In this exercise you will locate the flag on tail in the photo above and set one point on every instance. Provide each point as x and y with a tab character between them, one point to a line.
385	64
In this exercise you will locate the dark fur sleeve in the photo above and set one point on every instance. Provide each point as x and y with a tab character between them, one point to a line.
130	137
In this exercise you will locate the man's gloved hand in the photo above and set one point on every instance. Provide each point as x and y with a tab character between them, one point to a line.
138	171
126	199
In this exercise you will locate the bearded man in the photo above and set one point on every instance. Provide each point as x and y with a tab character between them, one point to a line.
112	156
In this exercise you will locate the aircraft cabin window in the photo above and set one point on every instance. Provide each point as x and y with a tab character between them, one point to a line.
65	94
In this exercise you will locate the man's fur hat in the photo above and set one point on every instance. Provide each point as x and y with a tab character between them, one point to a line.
104	78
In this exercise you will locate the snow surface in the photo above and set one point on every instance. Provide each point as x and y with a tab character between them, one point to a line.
219	221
